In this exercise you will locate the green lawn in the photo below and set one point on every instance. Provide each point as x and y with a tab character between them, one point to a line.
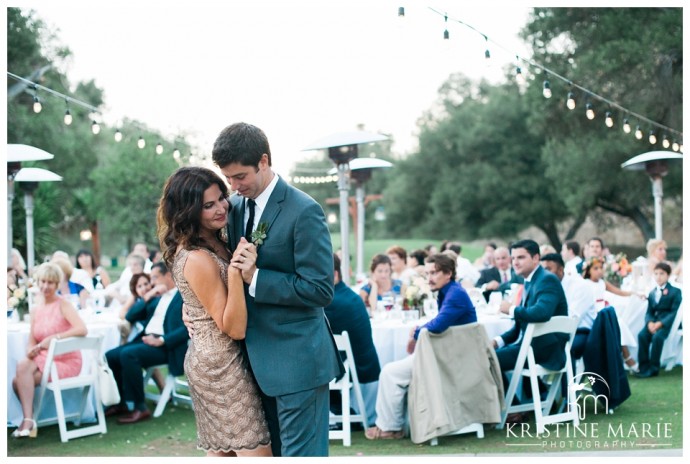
653	401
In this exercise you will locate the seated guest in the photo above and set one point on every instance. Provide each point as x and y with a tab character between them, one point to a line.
347	313
68	287
664	302
570	252
380	284
465	272
415	261
163	341
53	318
140	289
486	261
18	265
87	262
119	290
580	301
500	277
455	308
543	297
401	272
78	276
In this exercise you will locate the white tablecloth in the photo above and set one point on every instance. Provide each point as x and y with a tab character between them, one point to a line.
390	336
17	340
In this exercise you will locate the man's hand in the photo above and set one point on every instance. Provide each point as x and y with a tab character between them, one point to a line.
495	344
187	321
152	340
505	307
493	285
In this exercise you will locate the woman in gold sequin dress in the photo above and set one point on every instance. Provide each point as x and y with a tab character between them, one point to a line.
192	217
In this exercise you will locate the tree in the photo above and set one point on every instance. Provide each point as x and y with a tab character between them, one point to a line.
632	56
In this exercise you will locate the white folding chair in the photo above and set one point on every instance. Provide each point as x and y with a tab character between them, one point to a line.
672	353
557	324
347	381
170	390
87	380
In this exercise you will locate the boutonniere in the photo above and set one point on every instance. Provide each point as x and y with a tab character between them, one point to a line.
665	292
259	235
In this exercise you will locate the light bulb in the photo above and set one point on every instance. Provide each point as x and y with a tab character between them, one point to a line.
141	143
176	153
95	128
547	90
37	104
159	148
118	135
519	77
570	103
68	117
675	146
626	126
652	137
589	112
609	119
638	133
665	142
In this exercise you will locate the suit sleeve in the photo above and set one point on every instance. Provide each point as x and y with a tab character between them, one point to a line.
667	320
138	311
545	302
648	316
311	283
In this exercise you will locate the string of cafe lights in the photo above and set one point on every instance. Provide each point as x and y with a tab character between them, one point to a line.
672	138
94	114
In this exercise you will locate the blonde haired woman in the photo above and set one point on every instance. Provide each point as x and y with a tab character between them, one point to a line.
53	317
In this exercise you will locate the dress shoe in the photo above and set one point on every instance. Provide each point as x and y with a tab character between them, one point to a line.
116	410
516	418
135	416
646	374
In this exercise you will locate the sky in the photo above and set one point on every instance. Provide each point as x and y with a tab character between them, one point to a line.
300	70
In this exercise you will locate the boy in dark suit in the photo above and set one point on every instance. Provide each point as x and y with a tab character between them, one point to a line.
664	302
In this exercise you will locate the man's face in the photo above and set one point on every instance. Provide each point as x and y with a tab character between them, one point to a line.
156	276
595	248
554	268
502	259
248	181
436	278
523	263
565	253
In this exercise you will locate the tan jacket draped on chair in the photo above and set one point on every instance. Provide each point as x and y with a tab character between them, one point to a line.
456	381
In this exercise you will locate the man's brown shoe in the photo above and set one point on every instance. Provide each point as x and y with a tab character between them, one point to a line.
135	416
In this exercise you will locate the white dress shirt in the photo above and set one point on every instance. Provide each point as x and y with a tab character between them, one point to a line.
155	325
580	297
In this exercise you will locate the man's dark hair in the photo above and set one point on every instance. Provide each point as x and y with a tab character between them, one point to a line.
160	265
530	245
573	246
336	263
601	242
454	246
555	257
664	267
444	263
419	255
240	143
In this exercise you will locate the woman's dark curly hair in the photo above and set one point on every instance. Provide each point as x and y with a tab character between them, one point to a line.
179	211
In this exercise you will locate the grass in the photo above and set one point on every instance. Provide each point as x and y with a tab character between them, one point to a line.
653	401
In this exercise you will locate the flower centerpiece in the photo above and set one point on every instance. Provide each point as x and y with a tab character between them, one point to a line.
617	268
19	301
416	293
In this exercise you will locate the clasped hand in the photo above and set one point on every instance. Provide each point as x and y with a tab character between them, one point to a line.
244	259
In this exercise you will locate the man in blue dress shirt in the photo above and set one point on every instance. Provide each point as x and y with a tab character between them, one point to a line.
455	308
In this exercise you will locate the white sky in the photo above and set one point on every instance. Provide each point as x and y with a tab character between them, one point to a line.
300	70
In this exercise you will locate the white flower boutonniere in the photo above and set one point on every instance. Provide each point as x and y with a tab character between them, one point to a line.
259	235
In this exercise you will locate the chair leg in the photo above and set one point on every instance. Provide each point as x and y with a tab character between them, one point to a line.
347	435
165	396
60	409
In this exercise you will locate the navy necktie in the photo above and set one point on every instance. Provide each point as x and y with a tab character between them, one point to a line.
250	222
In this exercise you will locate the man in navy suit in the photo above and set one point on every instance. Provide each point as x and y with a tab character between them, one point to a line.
290	347
663	305
455	308
163	341
500	277
543	297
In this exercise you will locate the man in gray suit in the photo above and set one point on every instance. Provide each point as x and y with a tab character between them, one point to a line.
289	343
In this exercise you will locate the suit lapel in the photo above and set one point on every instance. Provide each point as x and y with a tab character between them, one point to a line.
273	206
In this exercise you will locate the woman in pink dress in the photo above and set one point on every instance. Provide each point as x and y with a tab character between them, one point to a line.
56	318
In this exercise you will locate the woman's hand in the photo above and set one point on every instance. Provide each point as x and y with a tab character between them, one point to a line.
244	259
